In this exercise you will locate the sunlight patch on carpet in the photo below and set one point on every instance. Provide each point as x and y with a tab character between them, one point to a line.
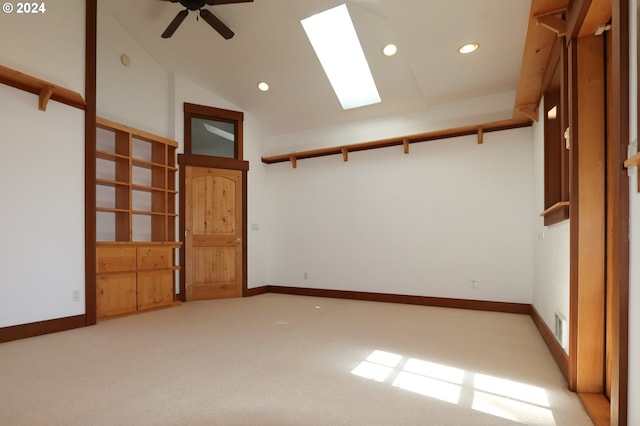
500	397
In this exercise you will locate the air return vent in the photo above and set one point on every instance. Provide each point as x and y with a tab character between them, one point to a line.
562	331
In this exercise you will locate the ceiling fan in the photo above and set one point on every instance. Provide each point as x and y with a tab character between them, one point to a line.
205	14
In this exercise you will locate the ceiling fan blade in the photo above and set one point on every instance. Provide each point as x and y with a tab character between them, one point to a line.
215	2
173	26
217	24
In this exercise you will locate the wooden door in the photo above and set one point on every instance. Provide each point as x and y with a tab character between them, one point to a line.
213	233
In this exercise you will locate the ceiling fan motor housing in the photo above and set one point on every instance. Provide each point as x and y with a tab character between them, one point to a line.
193	4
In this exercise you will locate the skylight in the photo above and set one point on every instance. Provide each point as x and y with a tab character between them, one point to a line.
336	44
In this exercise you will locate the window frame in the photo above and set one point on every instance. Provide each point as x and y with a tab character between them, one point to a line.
556	148
211	113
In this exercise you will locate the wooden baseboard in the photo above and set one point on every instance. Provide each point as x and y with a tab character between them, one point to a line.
479	305
33	329
561	357
255	291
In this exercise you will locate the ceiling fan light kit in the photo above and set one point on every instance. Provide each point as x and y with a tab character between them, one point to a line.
206	14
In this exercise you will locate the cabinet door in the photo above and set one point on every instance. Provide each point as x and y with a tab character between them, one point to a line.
115	259
155	289
115	294
155	258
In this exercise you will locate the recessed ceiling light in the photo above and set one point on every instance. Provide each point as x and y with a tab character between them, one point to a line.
390	49
336	43
263	86
468	48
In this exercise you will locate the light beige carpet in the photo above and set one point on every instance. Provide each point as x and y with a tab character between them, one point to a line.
289	360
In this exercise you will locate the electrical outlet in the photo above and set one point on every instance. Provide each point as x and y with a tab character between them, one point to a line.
306	275
76	296
474	284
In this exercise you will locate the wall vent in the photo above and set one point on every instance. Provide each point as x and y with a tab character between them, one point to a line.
562	331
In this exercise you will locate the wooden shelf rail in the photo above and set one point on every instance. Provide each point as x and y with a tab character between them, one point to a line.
43	89
632	161
480	130
555	207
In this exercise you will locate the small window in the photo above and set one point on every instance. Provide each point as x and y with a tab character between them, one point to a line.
556	152
213	137
213	132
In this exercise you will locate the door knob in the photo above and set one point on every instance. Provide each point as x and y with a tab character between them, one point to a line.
238	240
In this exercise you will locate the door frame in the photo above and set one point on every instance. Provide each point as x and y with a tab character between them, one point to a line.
612	412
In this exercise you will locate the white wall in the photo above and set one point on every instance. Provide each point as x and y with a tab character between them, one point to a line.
456	114
634	279
426	223
136	95
551	290
42	184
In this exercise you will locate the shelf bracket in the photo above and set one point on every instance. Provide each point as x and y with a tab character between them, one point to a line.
44	96
294	161
345	154
480	135
553	21
405	142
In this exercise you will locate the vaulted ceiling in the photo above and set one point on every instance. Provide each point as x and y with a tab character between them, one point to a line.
270	44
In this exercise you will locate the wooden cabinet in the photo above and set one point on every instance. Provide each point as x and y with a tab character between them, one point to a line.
134	276
135	219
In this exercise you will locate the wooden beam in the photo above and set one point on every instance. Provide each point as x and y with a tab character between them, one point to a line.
599	13
576	16
537	51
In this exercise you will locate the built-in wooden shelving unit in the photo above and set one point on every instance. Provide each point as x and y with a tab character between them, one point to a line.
43	89
136	214
404	141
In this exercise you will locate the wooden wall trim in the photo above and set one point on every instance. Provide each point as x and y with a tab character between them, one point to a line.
561	357
591	255
256	291
212	162
39	328
620	189
90	161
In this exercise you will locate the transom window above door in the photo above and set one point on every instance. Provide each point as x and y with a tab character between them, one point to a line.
213	132
213	137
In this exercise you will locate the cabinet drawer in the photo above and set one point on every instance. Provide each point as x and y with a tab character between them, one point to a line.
115	294
155	288
155	258
115	259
